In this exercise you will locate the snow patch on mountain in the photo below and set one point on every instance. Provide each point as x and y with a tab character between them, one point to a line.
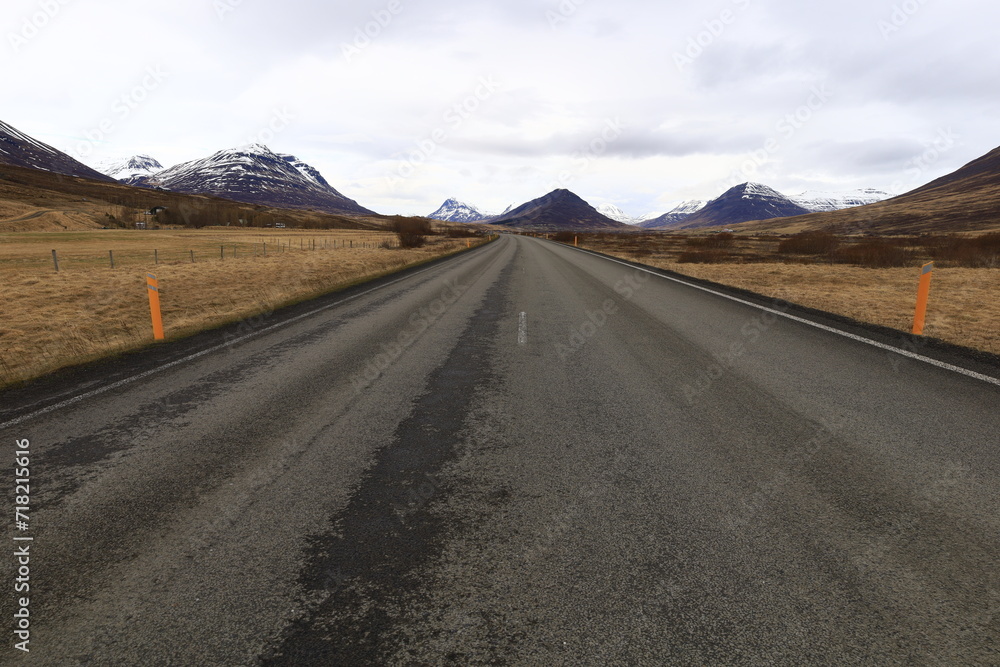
615	213
137	166
818	201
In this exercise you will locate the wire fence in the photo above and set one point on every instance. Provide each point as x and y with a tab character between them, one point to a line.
68	258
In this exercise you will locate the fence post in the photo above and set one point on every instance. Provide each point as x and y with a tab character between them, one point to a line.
55	260
156	256
192	256
111	254
222	252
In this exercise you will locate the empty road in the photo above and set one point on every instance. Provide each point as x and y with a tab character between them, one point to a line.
525	455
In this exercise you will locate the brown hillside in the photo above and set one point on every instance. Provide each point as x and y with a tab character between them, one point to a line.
36	200
967	200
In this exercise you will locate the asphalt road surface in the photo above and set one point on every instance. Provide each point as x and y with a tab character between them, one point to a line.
525	455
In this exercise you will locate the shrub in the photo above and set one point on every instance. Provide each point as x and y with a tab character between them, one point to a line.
565	237
810	243
876	254
973	252
412	232
702	257
723	240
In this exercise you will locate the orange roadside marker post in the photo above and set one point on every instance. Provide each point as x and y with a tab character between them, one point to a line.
153	287
923	293
576	241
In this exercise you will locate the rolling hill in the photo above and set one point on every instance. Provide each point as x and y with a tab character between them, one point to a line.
967	200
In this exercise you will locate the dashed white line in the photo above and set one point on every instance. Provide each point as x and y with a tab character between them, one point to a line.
522	329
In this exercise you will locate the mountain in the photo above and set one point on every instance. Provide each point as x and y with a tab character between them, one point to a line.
836	201
558	210
749	201
136	170
455	211
966	200
615	213
256	175
679	213
20	150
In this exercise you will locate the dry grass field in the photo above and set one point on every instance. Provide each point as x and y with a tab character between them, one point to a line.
50	320
964	306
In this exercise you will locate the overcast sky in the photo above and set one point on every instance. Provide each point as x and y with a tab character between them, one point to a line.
638	104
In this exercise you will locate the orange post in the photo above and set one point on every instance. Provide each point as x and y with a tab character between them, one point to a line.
153	287
576	240
922	296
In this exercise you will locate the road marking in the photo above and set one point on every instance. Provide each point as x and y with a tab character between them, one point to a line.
159	369
802	320
522	329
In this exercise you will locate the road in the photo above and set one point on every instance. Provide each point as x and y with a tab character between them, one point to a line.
526	455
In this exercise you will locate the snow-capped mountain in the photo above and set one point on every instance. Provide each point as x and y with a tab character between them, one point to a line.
456	211
749	201
256	175
835	201
135	170
615	213
20	150
677	214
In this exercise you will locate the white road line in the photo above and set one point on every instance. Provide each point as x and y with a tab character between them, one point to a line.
192	357
845	334
522	329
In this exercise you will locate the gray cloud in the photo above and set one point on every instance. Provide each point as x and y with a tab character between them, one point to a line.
897	78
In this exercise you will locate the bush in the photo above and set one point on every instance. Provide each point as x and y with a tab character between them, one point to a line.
723	240
810	243
702	257
412	232
459	233
876	255
972	252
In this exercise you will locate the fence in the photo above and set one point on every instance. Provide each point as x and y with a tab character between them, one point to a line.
68	258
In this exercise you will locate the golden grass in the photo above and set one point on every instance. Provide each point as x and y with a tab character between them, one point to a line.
963	309
88	311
